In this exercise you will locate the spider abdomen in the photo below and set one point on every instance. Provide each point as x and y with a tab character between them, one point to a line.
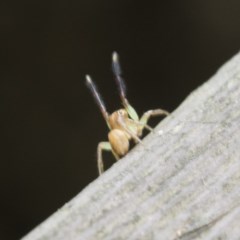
119	141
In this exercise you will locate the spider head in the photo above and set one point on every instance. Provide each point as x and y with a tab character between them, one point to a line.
118	118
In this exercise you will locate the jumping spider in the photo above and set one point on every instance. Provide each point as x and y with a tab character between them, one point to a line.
124	124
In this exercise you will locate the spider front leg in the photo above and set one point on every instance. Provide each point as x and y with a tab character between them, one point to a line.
151	113
103	146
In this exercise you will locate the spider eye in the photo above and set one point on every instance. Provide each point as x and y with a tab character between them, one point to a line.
121	112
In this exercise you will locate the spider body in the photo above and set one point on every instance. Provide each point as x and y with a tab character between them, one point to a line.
124	124
120	120
119	141
122	129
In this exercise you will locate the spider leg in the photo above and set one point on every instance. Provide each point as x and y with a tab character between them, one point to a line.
130	131
97	97
147	115
122	87
145	126
133	135
103	146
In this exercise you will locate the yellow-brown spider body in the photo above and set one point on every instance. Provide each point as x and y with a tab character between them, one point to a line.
124	124
122	130
120	120
119	141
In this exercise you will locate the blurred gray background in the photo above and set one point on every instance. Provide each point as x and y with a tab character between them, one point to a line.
50	123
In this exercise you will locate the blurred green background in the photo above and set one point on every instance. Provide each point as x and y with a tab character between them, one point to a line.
50	123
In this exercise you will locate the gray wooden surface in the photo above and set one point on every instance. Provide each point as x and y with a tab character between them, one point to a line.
184	183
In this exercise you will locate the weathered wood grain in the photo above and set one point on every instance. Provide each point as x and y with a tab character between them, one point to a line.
184	183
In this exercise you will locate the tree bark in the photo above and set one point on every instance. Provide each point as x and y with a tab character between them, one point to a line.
182	183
